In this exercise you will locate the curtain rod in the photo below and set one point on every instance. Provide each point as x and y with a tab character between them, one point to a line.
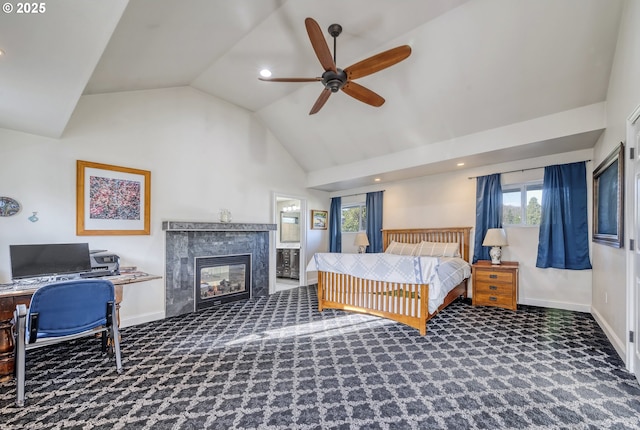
523	170
358	194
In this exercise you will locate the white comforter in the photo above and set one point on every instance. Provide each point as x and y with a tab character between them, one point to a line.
441	273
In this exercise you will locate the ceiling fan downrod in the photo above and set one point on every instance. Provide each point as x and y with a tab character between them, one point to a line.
334	31
332	80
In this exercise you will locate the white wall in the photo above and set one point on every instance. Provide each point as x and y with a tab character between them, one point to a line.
204	154
623	95
448	200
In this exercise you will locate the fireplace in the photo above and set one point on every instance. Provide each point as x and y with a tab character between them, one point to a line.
186	241
221	279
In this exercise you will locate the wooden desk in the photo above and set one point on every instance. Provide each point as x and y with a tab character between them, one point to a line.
21	294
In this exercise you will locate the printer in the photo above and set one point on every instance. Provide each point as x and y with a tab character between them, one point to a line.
103	263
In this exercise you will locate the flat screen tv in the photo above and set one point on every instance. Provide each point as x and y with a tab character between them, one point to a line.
32	261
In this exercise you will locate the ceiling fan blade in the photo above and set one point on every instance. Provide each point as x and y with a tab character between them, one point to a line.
290	79
319	45
378	62
324	96
363	94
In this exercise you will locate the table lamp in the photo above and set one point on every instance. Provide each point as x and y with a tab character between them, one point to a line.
361	242
495	237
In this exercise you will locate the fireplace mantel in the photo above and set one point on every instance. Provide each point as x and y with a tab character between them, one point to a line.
215	226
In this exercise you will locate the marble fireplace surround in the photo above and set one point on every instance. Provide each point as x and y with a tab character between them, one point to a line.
186	240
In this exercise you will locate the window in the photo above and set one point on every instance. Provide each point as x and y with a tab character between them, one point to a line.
354	218
522	204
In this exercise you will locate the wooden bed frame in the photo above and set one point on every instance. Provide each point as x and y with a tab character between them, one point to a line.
395	300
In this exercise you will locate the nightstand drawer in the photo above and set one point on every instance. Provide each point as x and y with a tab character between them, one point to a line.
484	299
494	276
494	288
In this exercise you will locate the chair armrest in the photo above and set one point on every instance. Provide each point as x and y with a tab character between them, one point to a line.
19	318
22	309
20	312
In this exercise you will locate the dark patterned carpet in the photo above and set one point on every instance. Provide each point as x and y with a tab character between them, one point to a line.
276	363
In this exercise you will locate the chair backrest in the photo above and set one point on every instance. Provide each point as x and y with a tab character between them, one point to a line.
71	307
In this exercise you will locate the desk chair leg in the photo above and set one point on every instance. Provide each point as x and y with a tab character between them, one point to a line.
104	339
20	316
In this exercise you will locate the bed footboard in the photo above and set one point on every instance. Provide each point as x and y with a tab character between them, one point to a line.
397	302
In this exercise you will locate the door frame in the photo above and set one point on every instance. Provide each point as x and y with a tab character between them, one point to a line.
632	216
304	219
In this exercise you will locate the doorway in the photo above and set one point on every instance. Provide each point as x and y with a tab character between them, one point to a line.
288	247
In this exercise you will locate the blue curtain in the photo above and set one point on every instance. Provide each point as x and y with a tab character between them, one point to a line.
564	232
374	221
335	225
488	212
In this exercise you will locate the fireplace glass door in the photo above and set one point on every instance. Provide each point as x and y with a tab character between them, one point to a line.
222	279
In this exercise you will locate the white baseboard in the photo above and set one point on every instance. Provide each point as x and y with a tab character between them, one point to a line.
620	347
141	319
556	305
312	279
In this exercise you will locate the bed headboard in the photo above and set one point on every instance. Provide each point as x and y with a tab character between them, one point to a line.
461	235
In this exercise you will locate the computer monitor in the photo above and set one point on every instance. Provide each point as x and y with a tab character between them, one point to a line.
32	261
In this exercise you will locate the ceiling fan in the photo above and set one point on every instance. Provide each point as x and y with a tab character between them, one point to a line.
334	78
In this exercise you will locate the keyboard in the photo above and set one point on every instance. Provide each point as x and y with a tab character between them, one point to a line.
96	274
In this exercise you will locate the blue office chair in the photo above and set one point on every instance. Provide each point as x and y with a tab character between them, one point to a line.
63	311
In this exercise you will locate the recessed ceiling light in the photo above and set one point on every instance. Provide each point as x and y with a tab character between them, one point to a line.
460	164
377	179
265	73
1	52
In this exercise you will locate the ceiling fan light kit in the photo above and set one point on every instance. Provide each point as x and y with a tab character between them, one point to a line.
335	79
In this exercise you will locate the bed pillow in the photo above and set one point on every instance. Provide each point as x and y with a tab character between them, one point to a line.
400	248
438	249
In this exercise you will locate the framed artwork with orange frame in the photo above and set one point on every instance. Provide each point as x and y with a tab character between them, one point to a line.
112	200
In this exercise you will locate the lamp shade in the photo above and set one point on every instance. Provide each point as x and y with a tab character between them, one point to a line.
361	239
495	237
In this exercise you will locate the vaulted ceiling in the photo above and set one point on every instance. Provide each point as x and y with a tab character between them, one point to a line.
487	81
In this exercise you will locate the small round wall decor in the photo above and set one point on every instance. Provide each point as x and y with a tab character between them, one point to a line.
8	206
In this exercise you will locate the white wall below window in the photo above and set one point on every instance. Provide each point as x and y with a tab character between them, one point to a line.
551	288
347	243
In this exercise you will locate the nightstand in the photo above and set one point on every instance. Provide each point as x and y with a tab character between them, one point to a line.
495	284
